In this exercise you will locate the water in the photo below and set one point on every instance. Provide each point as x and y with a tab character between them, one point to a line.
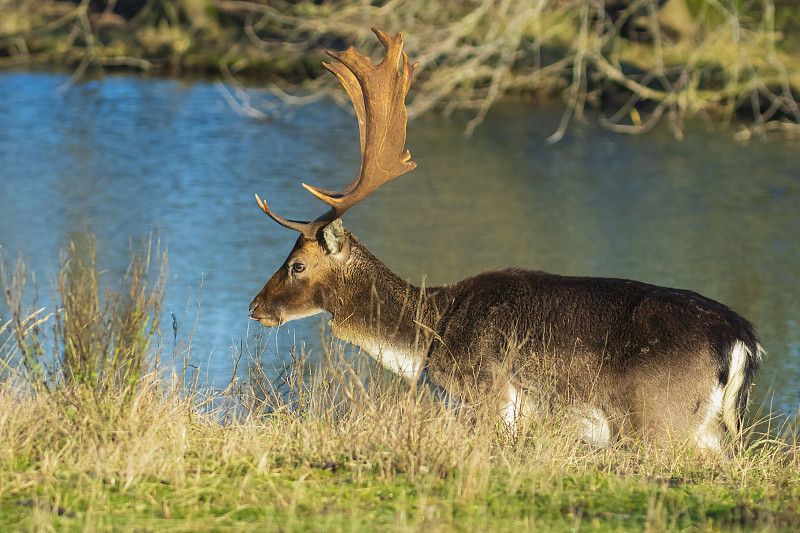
125	157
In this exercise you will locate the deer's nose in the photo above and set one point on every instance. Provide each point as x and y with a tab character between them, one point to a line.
253	307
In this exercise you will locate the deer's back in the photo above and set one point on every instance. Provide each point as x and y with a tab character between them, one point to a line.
577	330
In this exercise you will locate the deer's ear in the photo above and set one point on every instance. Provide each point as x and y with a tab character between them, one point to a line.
334	237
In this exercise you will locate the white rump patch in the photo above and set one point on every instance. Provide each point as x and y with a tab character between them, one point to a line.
736	376
708	435
738	359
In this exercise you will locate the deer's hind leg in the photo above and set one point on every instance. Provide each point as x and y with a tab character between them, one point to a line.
676	404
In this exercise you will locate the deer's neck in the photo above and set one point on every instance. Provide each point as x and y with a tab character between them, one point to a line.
389	318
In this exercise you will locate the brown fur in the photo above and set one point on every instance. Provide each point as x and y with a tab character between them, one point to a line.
646	357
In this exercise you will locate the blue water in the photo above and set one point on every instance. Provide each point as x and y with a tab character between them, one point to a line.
124	158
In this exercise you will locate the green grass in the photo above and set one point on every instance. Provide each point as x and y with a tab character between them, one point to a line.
164	466
335	446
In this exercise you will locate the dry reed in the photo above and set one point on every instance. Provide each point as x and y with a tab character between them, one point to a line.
641	62
335	445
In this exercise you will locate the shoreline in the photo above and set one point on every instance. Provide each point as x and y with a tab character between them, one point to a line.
637	65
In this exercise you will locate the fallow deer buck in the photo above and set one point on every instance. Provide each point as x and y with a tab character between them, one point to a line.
613	356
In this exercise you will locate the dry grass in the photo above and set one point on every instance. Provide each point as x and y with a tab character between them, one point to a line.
344	454
643	65
340	445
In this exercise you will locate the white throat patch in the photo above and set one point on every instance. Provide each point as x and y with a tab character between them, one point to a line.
399	361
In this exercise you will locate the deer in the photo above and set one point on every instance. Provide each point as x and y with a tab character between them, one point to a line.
612	357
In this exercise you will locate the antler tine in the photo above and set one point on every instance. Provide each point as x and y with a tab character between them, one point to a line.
309	229
378	94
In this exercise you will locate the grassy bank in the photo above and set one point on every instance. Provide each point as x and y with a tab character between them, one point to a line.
397	462
642	62
99	431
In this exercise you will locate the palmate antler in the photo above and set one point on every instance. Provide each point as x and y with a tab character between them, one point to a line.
378	94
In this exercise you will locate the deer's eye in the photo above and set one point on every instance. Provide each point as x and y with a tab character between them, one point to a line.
298	267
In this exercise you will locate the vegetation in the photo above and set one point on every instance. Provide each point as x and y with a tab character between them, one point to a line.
641	61
101	433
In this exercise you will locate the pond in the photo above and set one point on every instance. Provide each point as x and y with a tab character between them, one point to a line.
124	158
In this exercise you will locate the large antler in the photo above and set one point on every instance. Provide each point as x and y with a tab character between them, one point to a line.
378	93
